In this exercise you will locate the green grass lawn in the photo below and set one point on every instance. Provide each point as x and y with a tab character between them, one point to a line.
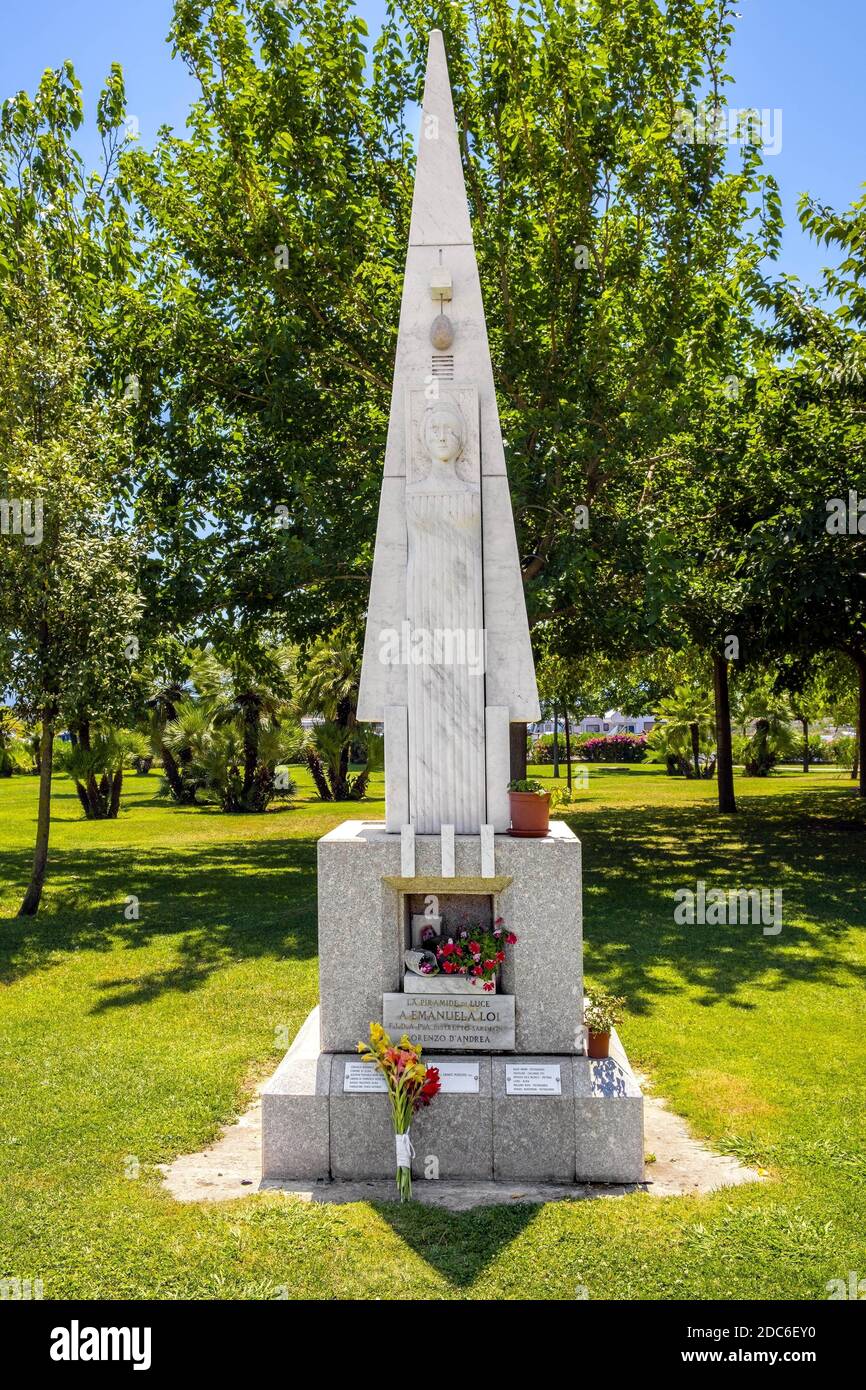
133	1039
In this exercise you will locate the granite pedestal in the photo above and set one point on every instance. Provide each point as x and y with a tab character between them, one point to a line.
593	1132
364	926
316	1126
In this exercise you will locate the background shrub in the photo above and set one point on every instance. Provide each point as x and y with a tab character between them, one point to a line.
614	748
842	750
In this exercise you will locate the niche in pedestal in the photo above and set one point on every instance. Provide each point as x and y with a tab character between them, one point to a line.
431	923
445	914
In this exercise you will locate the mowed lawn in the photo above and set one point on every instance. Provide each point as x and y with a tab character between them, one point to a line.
125	1042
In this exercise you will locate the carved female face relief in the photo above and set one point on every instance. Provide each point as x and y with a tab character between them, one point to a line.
442	452
443	432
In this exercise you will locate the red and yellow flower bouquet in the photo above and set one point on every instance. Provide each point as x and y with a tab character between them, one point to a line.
411	1085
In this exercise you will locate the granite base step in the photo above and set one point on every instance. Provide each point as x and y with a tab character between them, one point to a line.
313	1129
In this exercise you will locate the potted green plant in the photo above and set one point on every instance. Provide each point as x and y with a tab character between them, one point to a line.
601	1013
530	807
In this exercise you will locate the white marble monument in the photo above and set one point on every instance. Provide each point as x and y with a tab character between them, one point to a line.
447	658
447	669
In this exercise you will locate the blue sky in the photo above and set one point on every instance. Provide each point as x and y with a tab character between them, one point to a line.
803	58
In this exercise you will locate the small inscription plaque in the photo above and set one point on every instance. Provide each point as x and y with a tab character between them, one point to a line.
457	1078
361	1077
453	1022
533	1079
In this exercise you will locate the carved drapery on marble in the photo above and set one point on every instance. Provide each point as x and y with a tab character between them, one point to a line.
445	610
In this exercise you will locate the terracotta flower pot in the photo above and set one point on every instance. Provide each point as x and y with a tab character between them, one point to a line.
530	813
597	1044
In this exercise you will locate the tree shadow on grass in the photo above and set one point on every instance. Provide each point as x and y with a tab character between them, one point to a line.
635	858
231	902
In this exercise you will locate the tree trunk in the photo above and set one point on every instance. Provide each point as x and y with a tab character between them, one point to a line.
251	746
567	751
805	724
341	790
855	766
696	748
860	661
116	788
340	770
724	753
517	741
43	823
314	763
91	787
172	773
555	741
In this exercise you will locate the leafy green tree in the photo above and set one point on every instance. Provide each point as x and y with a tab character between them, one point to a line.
613	306
608	247
266	322
569	691
809	568
68	601
77	218
816	690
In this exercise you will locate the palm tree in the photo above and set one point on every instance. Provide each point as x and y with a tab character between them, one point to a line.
685	723
11	735
188	738
771	715
327	749
329	683
96	767
328	688
217	751
163	703
254	694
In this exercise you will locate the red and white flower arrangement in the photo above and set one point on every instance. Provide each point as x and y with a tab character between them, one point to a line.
475	953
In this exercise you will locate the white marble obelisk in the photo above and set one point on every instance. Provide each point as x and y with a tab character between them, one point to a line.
447	656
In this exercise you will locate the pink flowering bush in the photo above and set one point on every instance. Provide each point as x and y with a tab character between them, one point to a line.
615	748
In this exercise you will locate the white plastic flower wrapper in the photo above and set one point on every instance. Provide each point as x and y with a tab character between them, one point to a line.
405	1151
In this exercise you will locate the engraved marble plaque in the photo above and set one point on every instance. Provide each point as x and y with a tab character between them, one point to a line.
362	1077
533	1079
457	1078
454	1023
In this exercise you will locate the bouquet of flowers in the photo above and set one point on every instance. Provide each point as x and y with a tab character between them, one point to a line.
411	1085
475	953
